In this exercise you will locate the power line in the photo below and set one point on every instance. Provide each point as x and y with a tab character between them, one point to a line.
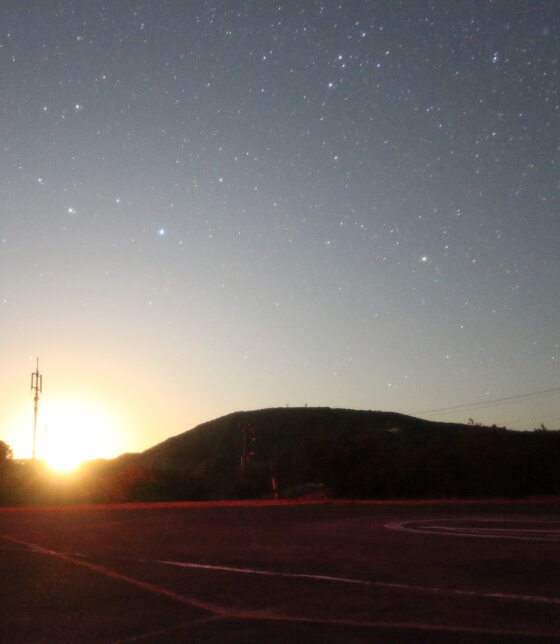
532	419
488	403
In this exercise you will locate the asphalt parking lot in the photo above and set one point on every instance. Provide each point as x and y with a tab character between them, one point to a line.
277	572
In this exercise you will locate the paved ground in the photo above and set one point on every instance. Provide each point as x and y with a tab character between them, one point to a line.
328	572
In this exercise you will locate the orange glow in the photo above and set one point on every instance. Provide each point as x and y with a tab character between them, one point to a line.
76	431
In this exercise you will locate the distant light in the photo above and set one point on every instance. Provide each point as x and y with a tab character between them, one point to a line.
161	232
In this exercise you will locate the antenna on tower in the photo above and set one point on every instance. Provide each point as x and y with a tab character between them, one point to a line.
37	386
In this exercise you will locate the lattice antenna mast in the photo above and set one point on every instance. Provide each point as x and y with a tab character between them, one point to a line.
37	386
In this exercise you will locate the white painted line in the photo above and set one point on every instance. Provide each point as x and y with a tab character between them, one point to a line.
125	578
363	582
439	527
220	612
250	571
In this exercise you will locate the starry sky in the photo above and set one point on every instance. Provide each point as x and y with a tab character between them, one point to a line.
213	206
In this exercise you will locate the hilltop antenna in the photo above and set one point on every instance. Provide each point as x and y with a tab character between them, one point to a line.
37	385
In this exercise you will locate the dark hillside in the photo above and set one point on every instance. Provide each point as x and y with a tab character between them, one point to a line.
358	454
280	429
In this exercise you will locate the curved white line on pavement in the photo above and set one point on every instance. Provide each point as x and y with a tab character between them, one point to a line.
435	527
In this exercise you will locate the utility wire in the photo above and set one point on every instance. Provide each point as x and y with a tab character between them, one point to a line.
487	403
532	419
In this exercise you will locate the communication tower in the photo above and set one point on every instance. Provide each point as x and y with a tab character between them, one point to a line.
37	386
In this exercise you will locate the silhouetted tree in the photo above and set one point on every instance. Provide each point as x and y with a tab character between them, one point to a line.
6	452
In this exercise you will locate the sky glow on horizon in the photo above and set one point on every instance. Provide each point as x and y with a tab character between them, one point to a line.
209	207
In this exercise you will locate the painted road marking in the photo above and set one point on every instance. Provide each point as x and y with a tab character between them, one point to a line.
434	526
220	612
224	611
115	575
376	584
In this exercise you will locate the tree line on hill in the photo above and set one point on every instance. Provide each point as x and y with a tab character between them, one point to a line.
341	453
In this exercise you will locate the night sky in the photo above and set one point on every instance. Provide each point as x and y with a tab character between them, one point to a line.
217	206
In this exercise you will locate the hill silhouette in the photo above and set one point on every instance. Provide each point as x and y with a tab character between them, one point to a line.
343	453
358	454
277	429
